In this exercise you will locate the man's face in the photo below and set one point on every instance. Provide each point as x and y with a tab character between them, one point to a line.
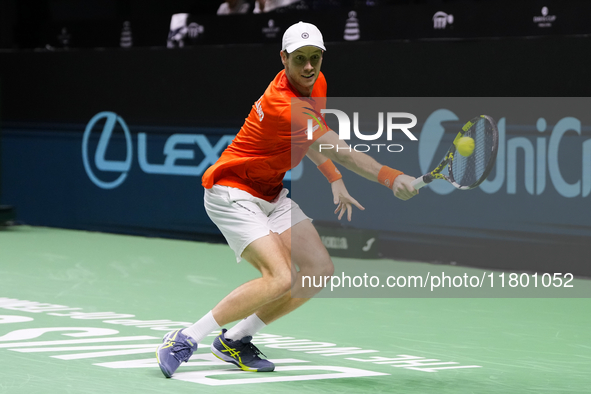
302	68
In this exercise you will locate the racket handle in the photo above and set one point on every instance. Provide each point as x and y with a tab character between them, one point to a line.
418	183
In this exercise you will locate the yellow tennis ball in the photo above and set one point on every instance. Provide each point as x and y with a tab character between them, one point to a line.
465	146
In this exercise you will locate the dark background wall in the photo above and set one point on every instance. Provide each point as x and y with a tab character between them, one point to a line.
218	84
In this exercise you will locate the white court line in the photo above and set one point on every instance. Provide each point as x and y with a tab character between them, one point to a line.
75	341
74	348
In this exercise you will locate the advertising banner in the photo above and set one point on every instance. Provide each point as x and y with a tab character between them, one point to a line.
531	211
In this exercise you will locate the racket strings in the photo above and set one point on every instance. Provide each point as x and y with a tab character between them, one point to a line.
467	171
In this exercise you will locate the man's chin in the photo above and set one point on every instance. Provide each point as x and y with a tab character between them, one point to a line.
309	83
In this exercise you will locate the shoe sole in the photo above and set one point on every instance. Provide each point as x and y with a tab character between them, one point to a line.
243	367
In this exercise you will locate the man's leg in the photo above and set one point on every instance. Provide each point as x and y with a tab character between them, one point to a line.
243	223
312	258
270	256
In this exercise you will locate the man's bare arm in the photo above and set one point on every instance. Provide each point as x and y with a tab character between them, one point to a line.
341	196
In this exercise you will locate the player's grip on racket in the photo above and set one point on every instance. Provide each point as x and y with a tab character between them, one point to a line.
477	144
418	183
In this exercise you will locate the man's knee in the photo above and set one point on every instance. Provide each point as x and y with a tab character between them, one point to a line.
327	268
321	268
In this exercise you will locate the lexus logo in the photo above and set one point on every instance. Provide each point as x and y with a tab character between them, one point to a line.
101	163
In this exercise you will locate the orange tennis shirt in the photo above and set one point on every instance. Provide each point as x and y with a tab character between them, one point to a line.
266	147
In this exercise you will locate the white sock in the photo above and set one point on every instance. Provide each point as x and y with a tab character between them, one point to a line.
247	327
202	328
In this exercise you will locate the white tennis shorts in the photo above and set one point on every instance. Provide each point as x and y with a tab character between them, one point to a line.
243	218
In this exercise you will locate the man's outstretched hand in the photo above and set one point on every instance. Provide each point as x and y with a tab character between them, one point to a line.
344	200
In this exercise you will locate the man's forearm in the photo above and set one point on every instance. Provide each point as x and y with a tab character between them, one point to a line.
330	146
360	163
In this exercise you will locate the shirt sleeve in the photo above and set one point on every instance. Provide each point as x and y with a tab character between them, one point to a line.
304	112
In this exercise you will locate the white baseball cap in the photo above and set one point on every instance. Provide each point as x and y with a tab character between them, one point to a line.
300	35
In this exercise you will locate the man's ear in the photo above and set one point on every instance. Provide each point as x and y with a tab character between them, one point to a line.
283	57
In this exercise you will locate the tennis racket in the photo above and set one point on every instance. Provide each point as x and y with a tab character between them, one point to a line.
467	172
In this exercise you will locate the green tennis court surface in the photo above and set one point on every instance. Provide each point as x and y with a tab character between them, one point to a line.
98	305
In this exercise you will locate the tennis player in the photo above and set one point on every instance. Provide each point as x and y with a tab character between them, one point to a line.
245	198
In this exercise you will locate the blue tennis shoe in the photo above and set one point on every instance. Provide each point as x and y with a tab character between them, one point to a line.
241	353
